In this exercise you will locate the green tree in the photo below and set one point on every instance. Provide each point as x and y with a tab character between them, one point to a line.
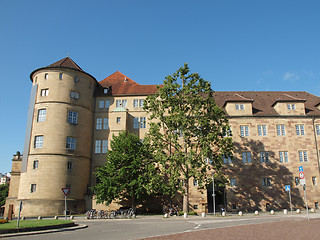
4	189
129	172
188	130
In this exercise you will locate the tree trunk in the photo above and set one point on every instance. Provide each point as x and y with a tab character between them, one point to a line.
186	197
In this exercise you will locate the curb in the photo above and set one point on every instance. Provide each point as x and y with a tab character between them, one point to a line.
7	235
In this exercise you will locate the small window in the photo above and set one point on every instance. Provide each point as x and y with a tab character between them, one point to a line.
46	76
99	124
41	115
141	103
281	131
262	130
233	182
195	207
246	157
316	205
121	103
118	119
314	181
104	146
33	188
98	146
71	143
135	103
72	117
244	131
106	123
283	156
291	106
38	141
264	157
107	104
35	79
318	129
142	122
76	79
227	160
35	164
266	182
239	107
300	130
105	90
60	76
101	104
195	182
69	165
74	95
303	156
44	92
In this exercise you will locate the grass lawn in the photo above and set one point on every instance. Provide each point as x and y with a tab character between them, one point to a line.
33	223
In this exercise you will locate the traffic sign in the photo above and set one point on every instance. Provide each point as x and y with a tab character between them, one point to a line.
287	187
300	169
301	175
65	191
302	181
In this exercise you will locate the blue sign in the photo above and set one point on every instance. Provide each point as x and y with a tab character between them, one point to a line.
300	169
287	187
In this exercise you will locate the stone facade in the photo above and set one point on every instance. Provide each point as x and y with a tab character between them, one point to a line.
74	118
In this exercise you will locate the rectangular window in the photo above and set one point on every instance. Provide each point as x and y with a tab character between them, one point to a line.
44	92
291	106
227	160
303	156
264	157
46	76
300	130
74	95
60	76
69	165
266	182
246	157
121	103
136	123
262	130
141	103
195	207
72	117
124	103
142	122
98	146
195	182
297	181
33	188
38	141
118	103
35	164
42	115
239	107
71	143
283	156
318	129
101	104
244	131
99	124
233	182
104	146
135	103
314	181
106	123
76	79
107	104
118	119
281	131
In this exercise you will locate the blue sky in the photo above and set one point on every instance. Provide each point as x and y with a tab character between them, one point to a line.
237	45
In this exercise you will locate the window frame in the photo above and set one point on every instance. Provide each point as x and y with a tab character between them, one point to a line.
244	131
283	156
264	157
281	130
262	130
41	117
71	143
72	117
38	141
246	157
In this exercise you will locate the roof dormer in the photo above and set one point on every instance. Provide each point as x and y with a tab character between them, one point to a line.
238	105
289	105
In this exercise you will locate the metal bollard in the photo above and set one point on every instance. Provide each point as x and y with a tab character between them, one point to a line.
203	214
166	215
272	212
223	214
39	218
256	213
185	215
285	212
240	214
298	211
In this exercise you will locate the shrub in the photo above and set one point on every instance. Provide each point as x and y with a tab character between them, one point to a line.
192	213
2	221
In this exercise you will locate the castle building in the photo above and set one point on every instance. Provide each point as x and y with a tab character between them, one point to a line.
72	118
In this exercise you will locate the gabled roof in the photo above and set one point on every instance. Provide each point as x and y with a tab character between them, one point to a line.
288	98
121	85
263	101
238	98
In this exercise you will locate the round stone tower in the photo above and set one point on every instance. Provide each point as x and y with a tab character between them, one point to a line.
58	143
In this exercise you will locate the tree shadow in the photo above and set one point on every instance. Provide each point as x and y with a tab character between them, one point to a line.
250	194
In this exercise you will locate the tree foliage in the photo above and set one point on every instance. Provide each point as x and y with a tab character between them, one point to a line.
4	190
188	129
129	172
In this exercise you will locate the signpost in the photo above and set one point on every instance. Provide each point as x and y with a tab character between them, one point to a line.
288	189
65	192
303	183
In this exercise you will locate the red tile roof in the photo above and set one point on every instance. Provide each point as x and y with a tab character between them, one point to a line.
122	85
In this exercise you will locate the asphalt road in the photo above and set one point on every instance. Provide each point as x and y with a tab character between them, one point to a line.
151	226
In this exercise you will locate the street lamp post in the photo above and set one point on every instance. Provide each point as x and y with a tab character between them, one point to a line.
213	195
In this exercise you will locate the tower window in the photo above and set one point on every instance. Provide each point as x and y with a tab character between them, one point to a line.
69	166
38	141
60	76
71	143
72	117
44	92
41	115
46	76
74	95
76	79
35	164
33	188
118	119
